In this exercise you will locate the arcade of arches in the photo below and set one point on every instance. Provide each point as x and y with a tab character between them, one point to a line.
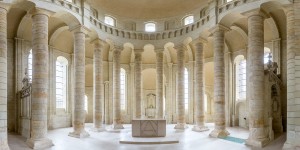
228	63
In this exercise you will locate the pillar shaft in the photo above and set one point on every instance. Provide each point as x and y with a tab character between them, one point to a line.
257	122
180	89
40	78
138	83
79	73
98	86
117	118
219	83
199	88
293	59
159	84
3	76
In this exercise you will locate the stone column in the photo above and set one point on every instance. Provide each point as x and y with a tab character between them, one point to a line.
117	117
257	122
3	76
40	78
293	78
159	83
219	83
98	86
138	82
199	88
79	74
180	89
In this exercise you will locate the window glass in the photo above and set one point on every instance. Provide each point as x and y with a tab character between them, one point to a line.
61	82
123	88
188	20
29	69
150	27
186	89
109	20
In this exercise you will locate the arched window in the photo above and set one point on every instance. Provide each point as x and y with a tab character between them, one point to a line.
86	103
150	27
109	20
123	88
186	89
267	53
29	67
61	82
228	1
240	69
188	20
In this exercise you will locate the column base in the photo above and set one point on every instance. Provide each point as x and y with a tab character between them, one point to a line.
82	134
4	144
39	143
290	146
98	129
200	128
258	142
115	128
181	126
219	133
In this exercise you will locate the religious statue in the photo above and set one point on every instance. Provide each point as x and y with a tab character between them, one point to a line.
26	80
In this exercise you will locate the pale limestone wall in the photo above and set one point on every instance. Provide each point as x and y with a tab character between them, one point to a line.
11	97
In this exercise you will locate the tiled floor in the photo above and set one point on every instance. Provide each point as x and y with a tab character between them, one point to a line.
188	140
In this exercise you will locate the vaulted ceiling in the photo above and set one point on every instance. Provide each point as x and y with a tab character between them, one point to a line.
147	9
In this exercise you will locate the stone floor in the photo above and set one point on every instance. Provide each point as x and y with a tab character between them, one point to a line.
188	140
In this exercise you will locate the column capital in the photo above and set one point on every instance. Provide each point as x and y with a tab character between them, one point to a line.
180	47
138	51
219	27
4	6
159	50
79	29
131	65
257	13
96	41
37	11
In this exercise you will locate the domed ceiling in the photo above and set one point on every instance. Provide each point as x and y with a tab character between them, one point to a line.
147	9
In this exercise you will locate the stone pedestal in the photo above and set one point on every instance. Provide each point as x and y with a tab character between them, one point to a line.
40	78
199	88
257	122
149	127
219	82
79	73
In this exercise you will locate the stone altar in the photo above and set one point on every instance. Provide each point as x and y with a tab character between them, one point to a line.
149	128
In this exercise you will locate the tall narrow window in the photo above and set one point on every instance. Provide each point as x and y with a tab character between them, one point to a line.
186	89
123	88
109	20
29	69
240	77
267	54
188	20
86	103
150	27
61	82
